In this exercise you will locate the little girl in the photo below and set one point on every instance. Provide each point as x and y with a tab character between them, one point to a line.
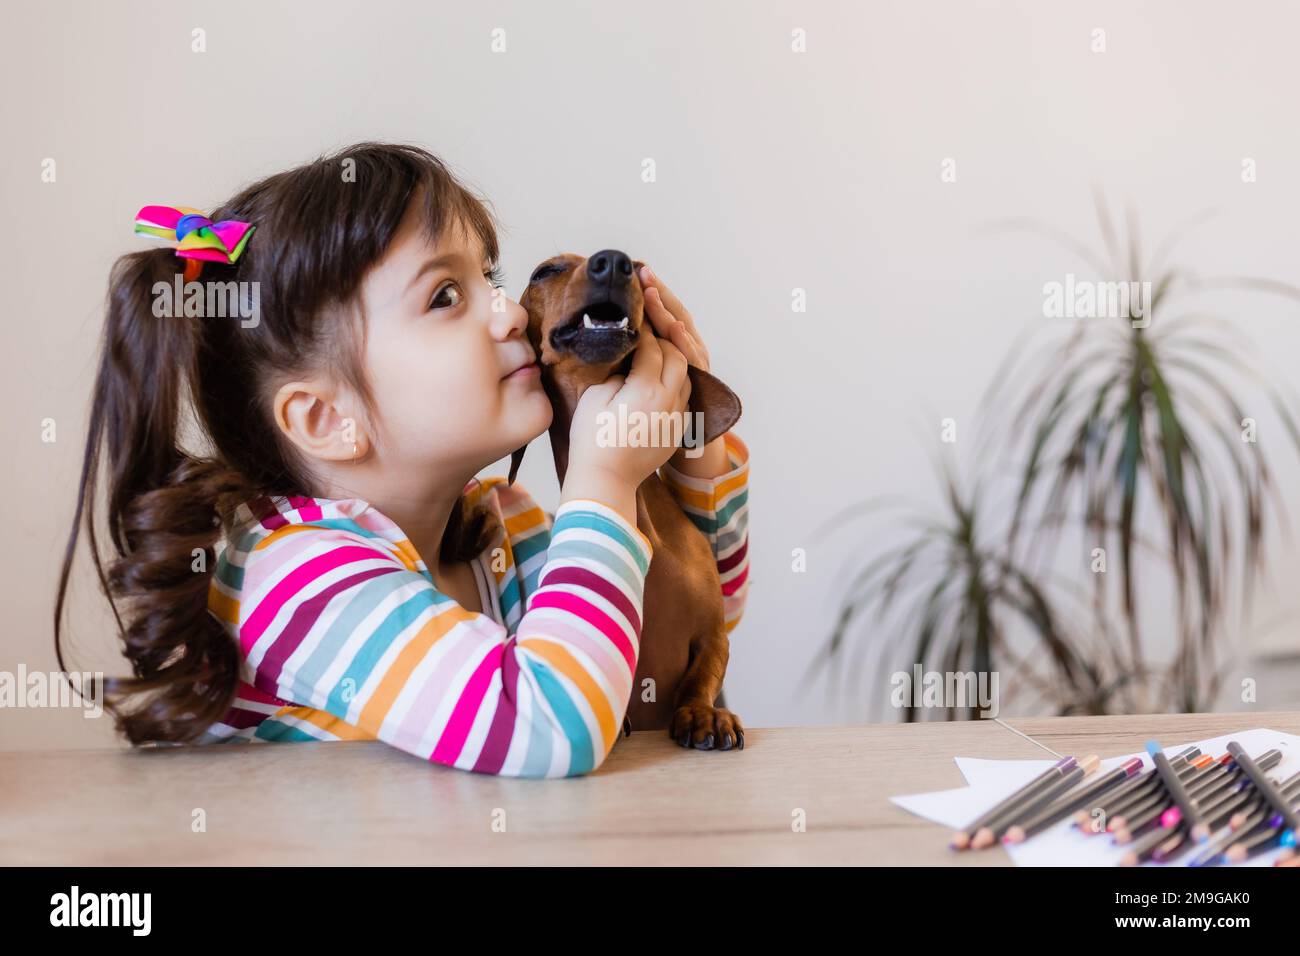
369	587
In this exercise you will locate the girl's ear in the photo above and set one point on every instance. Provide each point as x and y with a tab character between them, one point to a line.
309	416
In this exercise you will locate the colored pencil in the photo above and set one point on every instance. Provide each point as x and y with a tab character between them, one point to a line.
962	838
1032	802
1173	783
1252	843
1265	786
1068	803
1144	847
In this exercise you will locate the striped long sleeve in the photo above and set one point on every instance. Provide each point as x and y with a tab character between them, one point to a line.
339	619
719	507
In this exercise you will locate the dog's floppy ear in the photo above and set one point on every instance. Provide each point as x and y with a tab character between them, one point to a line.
718	403
515	459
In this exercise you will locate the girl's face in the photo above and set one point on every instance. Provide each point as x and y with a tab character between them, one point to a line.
453	374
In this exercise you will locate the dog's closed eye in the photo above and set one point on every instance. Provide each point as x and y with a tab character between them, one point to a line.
547	269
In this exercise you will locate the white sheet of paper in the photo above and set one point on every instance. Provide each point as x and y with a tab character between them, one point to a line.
989	781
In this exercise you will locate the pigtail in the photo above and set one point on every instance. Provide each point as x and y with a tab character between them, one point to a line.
165	514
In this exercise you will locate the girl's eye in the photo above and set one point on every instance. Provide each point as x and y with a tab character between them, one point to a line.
443	298
496	277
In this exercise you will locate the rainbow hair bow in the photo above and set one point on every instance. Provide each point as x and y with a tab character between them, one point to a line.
197	236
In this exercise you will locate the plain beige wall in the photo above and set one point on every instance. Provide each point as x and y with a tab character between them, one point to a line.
776	170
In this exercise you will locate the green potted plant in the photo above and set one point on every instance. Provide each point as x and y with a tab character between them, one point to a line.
1134	436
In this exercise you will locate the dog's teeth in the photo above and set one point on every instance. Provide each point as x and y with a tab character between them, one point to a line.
623	323
586	321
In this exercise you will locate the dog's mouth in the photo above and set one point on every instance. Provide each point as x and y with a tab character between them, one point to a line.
597	332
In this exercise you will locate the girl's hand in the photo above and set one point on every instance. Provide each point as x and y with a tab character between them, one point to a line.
610	471
671	320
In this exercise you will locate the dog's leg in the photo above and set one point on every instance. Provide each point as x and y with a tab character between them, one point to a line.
698	721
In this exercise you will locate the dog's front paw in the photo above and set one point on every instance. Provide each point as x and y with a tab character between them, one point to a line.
706	727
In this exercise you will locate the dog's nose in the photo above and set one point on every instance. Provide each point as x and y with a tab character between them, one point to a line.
608	266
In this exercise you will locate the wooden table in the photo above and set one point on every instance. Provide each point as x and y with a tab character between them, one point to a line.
651	802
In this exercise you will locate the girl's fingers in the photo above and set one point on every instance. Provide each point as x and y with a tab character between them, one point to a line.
603	392
688	346
674	370
662	319
668	327
673	303
684	395
647	361
654	289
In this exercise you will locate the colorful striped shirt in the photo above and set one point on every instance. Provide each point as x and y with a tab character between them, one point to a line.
719	507
344	636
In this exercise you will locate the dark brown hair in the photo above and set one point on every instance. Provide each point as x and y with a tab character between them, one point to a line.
320	228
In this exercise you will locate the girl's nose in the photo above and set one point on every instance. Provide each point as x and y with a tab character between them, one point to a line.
508	317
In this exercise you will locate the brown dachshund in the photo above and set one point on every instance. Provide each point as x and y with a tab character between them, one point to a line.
584	319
